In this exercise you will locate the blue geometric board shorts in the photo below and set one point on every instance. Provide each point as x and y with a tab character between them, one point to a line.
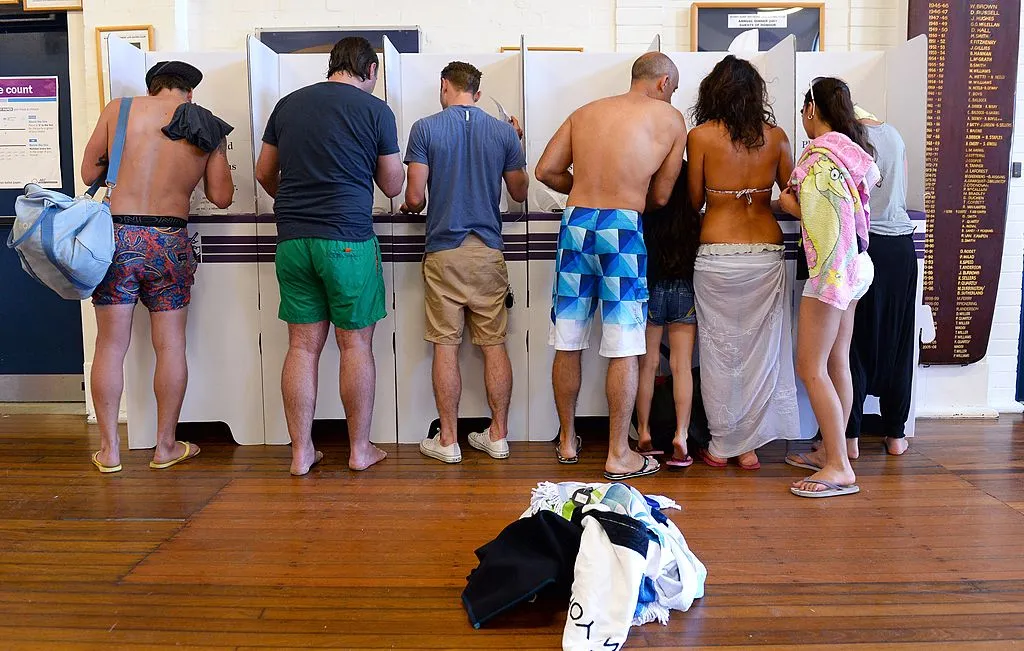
601	256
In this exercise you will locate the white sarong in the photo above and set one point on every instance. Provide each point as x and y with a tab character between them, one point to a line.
746	346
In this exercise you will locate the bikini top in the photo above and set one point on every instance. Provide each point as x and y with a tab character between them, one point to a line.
740	194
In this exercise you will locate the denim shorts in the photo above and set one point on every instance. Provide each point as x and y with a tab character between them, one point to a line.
672	302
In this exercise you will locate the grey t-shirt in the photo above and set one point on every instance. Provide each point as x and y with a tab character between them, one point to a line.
889	201
467	152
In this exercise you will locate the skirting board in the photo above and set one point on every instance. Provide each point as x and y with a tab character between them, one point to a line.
958	412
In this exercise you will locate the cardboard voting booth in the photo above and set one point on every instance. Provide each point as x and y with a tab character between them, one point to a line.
236	343
892	85
271	77
417	76
223	324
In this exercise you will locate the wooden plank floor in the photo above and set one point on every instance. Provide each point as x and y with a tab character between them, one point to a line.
230	552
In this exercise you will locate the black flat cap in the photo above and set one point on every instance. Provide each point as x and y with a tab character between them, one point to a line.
190	74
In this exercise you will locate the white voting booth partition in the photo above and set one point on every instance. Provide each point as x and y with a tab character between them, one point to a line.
222	333
236	297
893	86
416	80
271	77
557	83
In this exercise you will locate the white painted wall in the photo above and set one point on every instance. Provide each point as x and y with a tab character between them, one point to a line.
597	25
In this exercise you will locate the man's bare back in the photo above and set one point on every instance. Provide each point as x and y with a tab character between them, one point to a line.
718	163
623	150
157	174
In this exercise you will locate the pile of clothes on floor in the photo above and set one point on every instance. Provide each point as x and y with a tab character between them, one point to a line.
605	550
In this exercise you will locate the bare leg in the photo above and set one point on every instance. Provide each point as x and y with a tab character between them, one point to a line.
298	388
113	334
169	381
498	378
645	388
358	384
447	390
680	341
820	326
565	379
620	388
839	372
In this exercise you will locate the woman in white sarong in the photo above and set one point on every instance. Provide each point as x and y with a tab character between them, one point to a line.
737	154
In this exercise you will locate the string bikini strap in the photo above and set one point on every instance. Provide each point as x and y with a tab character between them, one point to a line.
741	194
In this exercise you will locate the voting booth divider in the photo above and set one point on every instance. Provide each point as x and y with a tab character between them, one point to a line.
223	330
236	343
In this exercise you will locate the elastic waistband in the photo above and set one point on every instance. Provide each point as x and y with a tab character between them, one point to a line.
739	249
153	221
582	209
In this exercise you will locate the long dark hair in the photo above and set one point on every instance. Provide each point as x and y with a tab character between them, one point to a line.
735	94
672	234
832	99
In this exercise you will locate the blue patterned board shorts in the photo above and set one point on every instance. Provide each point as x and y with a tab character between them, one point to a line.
156	265
601	256
672	301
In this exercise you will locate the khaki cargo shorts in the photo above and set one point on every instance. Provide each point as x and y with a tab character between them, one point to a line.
467	284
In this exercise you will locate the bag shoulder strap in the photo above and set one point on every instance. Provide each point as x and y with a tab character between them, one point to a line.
118	147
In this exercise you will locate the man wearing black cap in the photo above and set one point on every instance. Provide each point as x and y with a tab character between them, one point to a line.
324	147
170	145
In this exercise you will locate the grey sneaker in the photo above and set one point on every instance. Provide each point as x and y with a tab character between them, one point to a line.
431	446
482	441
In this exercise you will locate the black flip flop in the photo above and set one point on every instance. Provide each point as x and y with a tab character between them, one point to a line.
568	460
645	470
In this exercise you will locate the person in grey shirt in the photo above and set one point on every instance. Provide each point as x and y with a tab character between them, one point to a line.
882	354
462	155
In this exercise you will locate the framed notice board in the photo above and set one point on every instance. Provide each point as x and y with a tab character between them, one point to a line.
756	27
972	82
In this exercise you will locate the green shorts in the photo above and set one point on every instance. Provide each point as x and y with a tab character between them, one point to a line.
325	280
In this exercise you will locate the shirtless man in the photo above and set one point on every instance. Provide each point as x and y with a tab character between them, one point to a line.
171	144
626	152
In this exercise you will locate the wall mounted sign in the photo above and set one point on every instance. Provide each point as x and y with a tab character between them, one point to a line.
29	132
972	80
756	27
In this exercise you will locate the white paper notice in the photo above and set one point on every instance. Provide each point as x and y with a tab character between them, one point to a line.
29	132
758	21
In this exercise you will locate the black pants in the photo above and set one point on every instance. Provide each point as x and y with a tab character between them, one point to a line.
882	352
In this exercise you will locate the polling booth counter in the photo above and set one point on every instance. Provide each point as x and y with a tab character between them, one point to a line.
223	332
271	77
236	343
416	79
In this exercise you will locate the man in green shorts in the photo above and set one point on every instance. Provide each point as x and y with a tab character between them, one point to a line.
324	147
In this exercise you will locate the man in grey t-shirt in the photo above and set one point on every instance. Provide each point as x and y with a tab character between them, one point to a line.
463	154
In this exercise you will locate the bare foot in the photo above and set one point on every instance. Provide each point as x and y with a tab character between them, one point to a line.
679	448
302	463
896	447
567	448
643	440
632	462
161	455
109	458
826	474
853	448
749	460
363	459
815	457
